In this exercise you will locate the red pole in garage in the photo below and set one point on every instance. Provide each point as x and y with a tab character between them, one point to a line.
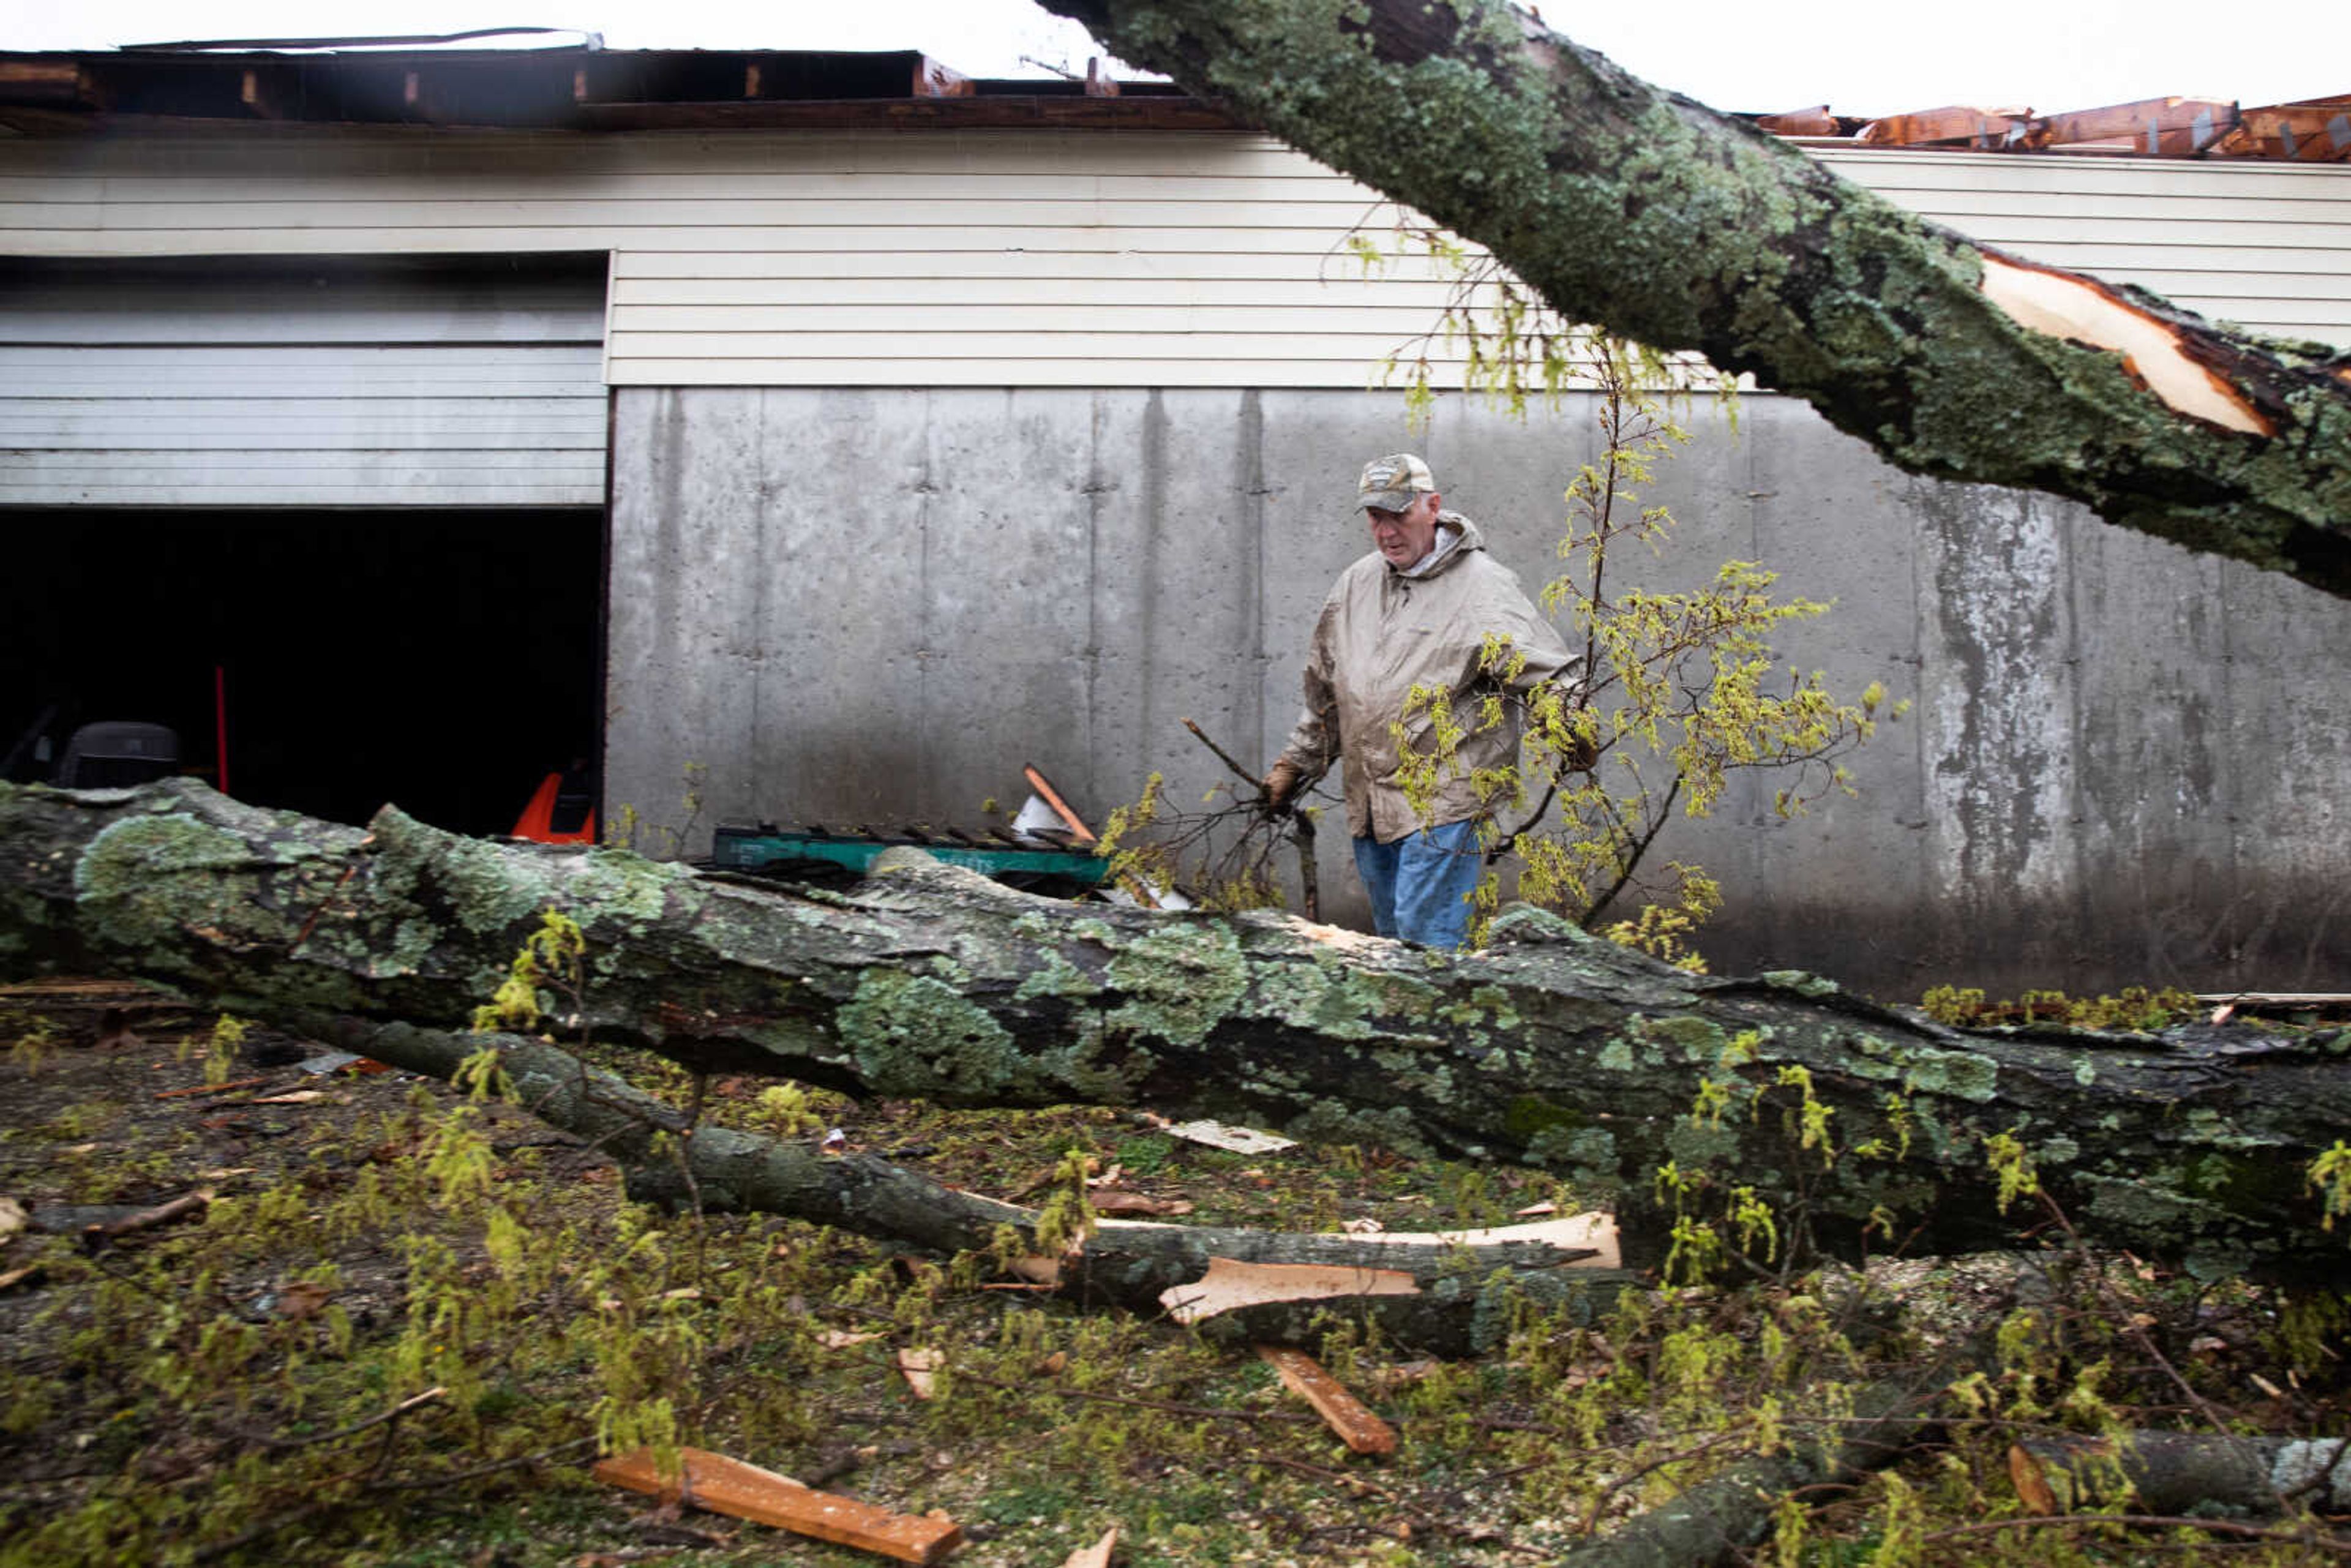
220	728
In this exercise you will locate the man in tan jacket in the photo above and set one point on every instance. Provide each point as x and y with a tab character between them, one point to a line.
1417	611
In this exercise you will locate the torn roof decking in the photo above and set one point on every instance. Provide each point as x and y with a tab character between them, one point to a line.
600	89
2315	131
575	89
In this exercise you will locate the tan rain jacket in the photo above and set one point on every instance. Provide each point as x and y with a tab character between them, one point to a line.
1380	635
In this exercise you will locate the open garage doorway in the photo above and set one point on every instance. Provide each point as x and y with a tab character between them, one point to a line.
442	660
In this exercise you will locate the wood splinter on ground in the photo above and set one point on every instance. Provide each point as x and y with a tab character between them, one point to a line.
1342	1411
1589	1240
917	1365
1227	1285
1097	1554
720	1484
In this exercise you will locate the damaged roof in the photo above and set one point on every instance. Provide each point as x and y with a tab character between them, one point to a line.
588	87
568	89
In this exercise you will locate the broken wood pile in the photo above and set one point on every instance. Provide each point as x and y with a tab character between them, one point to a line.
2307	131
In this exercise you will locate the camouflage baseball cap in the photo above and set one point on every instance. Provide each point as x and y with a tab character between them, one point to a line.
1392	483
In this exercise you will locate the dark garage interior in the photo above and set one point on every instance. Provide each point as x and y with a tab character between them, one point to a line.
443	662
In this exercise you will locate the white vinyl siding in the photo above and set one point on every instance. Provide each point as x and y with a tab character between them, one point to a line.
1052	259
317	388
2264	246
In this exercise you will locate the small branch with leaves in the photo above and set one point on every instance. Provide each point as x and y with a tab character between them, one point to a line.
1229	856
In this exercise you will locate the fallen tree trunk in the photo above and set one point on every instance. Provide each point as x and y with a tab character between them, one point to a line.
1449	1296
1652	215
1853	1121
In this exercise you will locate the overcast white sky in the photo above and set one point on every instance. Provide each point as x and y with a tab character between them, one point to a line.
1750	55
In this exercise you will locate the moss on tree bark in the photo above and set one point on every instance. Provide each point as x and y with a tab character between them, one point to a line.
1554	1048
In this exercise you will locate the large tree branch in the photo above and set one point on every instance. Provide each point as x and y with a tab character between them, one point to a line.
1553	1047
1452	1295
1655	217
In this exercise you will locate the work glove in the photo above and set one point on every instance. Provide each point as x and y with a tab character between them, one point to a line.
1281	782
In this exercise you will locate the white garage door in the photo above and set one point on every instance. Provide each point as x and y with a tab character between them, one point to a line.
439	383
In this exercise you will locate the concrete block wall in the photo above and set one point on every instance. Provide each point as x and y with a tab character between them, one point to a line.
2122	763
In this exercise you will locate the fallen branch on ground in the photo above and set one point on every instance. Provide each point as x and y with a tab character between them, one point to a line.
1450	1292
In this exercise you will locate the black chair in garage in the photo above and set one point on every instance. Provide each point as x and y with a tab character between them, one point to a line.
116	754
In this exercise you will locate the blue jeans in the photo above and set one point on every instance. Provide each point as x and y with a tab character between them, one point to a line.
1420	884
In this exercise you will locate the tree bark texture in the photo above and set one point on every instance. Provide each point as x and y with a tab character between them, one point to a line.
1653	216
1461	1300
1856	1121
1717	1520
2183	1472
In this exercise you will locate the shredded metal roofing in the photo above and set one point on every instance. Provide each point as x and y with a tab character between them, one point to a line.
343	82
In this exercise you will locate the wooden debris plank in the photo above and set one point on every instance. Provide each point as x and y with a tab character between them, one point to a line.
1342	1411
1814	121
1044	787
720	1484
2301	132
1981	127
2191	123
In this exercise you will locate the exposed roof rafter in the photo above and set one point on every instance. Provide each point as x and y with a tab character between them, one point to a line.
389	81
